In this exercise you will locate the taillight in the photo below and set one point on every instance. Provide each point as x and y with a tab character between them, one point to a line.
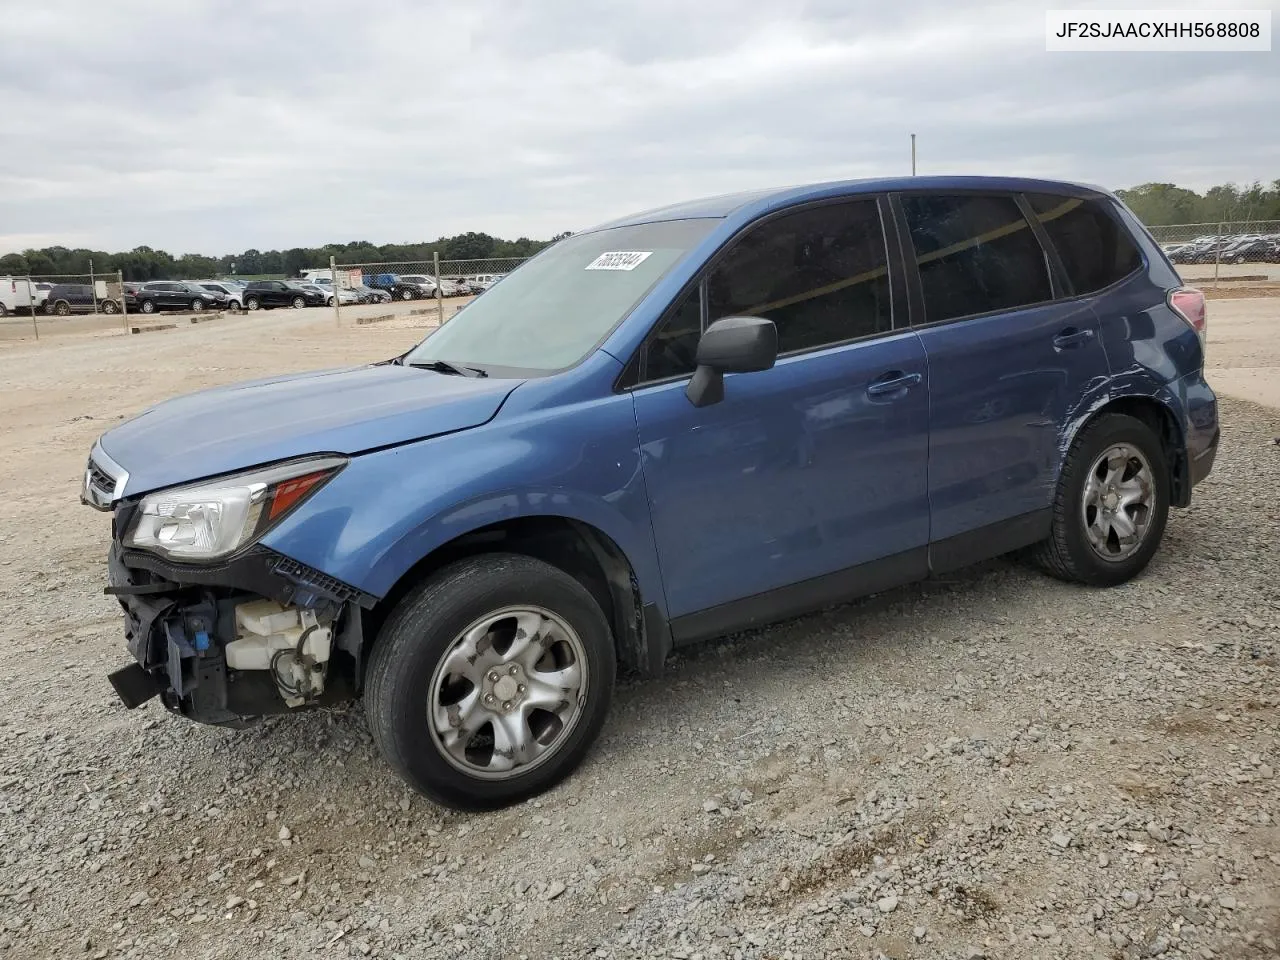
1189	303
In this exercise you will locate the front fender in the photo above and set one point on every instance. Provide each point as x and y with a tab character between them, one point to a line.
389	509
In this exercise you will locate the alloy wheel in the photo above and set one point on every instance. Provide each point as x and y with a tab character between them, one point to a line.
1118	501
507	692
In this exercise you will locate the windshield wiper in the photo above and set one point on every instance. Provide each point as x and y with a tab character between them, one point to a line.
444	366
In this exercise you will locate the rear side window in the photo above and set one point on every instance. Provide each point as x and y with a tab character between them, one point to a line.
819	274
1096	250
976	254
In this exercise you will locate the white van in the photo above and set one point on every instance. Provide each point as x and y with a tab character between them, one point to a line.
17	294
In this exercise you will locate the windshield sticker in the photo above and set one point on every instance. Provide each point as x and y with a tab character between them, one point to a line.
620	260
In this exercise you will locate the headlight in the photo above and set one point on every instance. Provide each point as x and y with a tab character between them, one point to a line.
206	521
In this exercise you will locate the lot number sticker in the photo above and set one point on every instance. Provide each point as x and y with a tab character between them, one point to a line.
620	260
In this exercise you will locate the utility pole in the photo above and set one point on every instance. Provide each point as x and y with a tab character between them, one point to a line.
913	154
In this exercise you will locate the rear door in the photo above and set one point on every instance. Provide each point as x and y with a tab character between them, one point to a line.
1009	362
167	294
810	475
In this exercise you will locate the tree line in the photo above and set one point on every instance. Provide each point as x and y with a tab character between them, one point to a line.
1156	204
1164	204
145	263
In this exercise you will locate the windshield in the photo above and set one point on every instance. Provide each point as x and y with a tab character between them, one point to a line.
548	314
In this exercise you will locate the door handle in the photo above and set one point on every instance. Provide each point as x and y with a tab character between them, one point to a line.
893	382
1072	337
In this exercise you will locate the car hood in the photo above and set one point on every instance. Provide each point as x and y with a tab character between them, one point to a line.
348	410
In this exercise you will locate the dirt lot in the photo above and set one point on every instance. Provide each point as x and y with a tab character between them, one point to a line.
995	765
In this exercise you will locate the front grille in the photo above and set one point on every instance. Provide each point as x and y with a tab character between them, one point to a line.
99	486
101	479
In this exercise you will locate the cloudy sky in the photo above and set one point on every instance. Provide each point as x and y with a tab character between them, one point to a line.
212	126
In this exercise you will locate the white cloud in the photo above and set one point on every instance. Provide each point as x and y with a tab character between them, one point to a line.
211	126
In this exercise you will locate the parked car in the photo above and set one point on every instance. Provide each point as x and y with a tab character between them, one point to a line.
370	295
160	295
65	299
318	296
682	424
454	287
1251	250
325	287
232	293
408	287
19	294
481	282
265	294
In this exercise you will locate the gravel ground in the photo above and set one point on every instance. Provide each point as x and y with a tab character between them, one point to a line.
993	765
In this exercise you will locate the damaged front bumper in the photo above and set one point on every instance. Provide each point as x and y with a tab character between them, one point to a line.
226	643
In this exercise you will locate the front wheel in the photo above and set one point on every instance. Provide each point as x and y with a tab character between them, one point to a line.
63	309
406	294
252	303
1111	506
197	306
489	682
109	307
299	303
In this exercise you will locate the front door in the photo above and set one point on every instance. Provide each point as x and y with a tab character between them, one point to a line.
816	467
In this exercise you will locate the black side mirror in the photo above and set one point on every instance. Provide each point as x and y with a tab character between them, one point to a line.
731	345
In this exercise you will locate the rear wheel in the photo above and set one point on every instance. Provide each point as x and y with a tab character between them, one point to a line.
299	303
62	308
489	682
147	306
109	307
4	311
1111	506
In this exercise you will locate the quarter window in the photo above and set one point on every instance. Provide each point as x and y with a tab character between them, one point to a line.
670	349
819	274
976	254
1095	250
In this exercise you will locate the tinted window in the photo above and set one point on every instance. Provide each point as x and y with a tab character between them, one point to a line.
1095	250
670	349
819	274
976	254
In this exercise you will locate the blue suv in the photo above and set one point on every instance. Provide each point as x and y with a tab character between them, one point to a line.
687	422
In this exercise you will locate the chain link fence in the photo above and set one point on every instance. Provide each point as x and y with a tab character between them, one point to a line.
1223	251
53	297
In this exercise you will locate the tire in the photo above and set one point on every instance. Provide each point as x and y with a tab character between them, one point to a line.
407	679
252	304
329	302
148	306
406	294
197	306
234	305
62	308
1069	553
109	307
4	311
298	303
